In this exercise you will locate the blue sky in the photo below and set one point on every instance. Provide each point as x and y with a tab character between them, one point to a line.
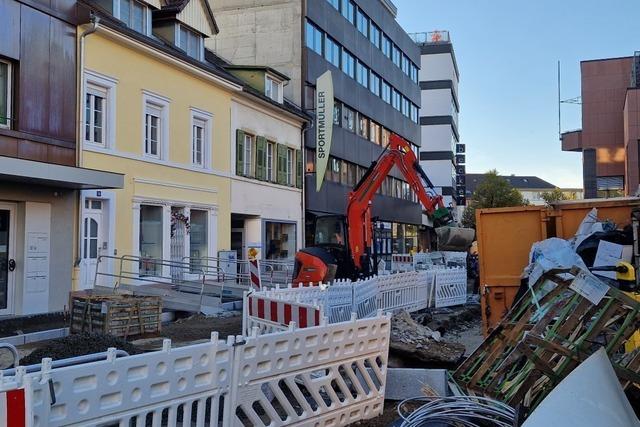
507	53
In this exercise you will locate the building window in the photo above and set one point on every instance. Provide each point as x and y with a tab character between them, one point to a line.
348	64
200	138
348	118
336	113
332	51
385	136
374	132
396	99
374	35
348	10
405	106
247	166
386	46
335	169
94	115
314	38
374	84
362	74
414	113
414	73
290	155
362	22
610	186
280	240
386	92
5	94
152	131
396	55
134	14
198	234
405	64
191	42
271	147
156	124
363	126
273	89
150	245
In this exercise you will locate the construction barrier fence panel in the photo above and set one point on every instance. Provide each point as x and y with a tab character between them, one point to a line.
450	287
401	263
321	375
269	314
332	375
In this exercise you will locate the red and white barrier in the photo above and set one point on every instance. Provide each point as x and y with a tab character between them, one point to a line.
277	314
13	408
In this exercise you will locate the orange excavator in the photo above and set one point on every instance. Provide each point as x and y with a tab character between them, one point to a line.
343	246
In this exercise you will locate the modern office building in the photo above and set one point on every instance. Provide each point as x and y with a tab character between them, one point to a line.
442	155
610	133
374	66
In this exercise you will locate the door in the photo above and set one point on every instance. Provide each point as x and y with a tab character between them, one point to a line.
91	246
7	257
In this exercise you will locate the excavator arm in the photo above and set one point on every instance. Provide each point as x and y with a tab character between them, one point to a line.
400	154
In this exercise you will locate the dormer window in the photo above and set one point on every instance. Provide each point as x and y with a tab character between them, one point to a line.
134	14
273	89
190	42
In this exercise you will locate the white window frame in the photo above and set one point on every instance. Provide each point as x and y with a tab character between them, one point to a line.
9	94
269	82
147	15
160	103
206	119
99	83
247	163
271	149
290	165
177	37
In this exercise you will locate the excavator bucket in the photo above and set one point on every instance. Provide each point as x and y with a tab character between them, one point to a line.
442	217
455	238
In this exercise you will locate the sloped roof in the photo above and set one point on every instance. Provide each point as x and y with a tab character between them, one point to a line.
520	182
170	8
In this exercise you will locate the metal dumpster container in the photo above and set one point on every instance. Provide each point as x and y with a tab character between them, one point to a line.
505	236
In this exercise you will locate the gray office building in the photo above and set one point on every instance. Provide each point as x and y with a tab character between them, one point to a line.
374	65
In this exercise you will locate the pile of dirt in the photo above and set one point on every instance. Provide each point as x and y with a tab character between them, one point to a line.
198	326
77	345
415	345
26	324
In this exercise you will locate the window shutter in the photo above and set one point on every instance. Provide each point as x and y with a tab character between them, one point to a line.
239	152
261	158
282	164
299	168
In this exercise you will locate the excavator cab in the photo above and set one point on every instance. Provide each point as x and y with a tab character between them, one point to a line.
329	256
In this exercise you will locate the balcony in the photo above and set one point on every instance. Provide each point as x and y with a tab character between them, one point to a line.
431	37
572	141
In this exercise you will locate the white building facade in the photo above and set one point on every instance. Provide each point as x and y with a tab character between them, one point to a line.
267	212
441	154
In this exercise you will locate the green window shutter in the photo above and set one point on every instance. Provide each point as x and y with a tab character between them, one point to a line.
282	164
299	168
239	152
261	157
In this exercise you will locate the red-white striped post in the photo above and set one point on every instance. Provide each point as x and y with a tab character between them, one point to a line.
13	411
254	274
283	312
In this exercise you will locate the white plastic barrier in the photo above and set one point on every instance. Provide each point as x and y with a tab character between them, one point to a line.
403	291
269	313
450	287
326	375
332	375
401	263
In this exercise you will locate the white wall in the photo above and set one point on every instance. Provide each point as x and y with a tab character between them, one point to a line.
436	138
439	172
438	67
436	102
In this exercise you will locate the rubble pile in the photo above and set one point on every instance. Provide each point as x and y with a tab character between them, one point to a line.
413	340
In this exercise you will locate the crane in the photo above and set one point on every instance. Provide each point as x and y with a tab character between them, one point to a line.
343	245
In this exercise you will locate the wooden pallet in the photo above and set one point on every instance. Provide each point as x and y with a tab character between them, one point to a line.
118	315
539	343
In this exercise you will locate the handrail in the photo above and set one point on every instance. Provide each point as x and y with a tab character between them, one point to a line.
61	363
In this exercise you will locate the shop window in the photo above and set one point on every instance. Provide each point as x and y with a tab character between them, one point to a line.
198	232
150	245
280	240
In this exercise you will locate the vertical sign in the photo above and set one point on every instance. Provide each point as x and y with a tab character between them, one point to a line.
324	124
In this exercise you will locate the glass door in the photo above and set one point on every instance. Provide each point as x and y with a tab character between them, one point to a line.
7	261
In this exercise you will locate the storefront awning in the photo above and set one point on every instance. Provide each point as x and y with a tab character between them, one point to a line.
32	172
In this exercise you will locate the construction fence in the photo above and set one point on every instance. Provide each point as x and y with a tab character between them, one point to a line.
333	374
273	309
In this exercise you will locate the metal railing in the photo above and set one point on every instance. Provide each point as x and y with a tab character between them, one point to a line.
430	37
272	272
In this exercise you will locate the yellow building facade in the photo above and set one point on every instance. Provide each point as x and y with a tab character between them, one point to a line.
163	121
